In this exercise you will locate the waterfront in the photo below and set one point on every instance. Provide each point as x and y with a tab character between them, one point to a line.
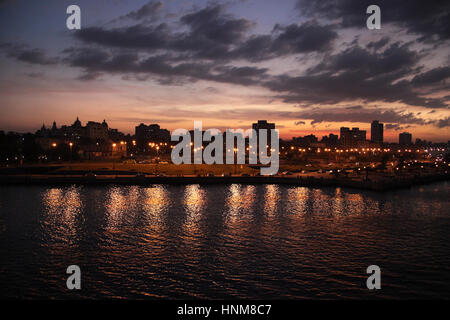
224	241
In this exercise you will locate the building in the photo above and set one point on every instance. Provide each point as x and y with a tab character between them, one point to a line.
376	132
95	151
97	131
263	124
331	140
305	141
92	131
93	141
405	138
353	137
152	133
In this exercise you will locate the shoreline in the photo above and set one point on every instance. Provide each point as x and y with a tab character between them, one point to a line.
379	185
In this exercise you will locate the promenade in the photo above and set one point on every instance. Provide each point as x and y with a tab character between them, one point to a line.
375	184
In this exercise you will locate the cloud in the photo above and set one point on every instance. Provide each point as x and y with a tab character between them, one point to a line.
395	126
363	115
286	40
213	24
359	74
26	54
443	123
397	120
134	37
432	76
354	108
376	45
428	19
96	60
150	9
215	35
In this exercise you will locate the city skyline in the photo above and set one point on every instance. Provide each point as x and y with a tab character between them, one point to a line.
173	62
142	129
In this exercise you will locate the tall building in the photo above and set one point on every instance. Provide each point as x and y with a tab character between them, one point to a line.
353	137
263	124
405	138
376	132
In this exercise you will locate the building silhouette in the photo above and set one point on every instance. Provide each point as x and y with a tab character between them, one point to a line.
376	132
93	141
263	124
405	138
97	130
353	137
152	133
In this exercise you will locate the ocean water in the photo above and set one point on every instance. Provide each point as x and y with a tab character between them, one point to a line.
224	242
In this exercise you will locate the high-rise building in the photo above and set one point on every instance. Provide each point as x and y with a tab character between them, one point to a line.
263	124
376	132
351	138
405	138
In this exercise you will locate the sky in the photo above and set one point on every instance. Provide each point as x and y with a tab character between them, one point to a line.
309	66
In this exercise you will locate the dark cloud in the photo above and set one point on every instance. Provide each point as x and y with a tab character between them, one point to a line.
354	108
378	44
395	126
356	73
26	54
212	23
396	58
364	115
287	40
307	37
149	10
426	18
391	126
35	75
137	36
432	76
214	35
443	123
95	61
397	120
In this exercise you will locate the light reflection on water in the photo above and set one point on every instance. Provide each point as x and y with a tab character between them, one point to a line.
222	241
62	206
239	202
194	203
155	203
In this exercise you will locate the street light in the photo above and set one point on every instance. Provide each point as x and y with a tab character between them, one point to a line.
70	145
112	153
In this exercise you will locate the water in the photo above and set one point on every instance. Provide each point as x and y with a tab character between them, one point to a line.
224	241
